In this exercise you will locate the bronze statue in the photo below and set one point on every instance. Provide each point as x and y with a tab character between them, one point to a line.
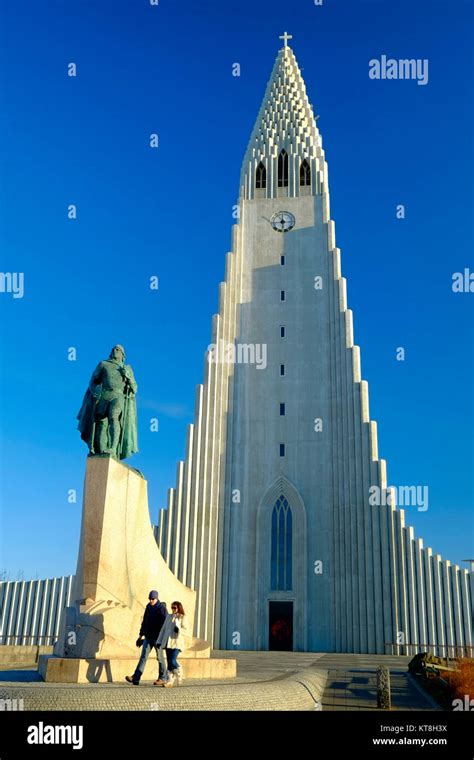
108	415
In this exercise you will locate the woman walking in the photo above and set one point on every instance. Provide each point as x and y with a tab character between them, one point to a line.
171	643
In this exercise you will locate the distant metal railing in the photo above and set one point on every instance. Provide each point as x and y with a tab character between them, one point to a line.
28	640
450	651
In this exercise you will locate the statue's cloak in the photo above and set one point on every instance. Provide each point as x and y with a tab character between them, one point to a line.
128	420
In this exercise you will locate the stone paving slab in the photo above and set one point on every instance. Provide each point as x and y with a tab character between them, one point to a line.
357	690
300	691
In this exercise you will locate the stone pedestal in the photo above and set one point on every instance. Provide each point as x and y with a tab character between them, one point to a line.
119	562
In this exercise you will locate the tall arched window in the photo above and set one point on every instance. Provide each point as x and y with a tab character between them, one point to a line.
305	174
282	542
261	176
283	169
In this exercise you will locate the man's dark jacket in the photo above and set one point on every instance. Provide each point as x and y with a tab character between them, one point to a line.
153	619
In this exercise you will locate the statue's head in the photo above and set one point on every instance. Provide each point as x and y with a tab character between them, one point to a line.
118	353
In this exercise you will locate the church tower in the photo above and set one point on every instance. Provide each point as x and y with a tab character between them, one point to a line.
271	519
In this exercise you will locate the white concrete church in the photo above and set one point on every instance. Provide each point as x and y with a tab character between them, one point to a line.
270	519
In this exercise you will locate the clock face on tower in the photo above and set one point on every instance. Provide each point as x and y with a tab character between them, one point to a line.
282	221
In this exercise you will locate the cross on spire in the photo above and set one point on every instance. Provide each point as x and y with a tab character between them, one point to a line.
285	37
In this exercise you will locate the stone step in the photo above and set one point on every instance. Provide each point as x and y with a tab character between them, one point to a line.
12	653
70	670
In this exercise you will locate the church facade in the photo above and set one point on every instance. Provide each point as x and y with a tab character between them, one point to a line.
281	517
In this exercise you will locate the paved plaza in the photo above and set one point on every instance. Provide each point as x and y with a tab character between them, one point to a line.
265	681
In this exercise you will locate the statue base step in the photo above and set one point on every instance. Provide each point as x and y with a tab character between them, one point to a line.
70	670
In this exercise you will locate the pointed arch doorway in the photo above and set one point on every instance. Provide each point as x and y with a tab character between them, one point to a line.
281	569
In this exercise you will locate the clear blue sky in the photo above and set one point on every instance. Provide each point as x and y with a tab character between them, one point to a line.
168	212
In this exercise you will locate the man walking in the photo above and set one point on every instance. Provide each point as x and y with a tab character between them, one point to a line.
153	619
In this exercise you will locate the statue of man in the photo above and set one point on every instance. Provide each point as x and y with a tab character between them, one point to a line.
108	415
